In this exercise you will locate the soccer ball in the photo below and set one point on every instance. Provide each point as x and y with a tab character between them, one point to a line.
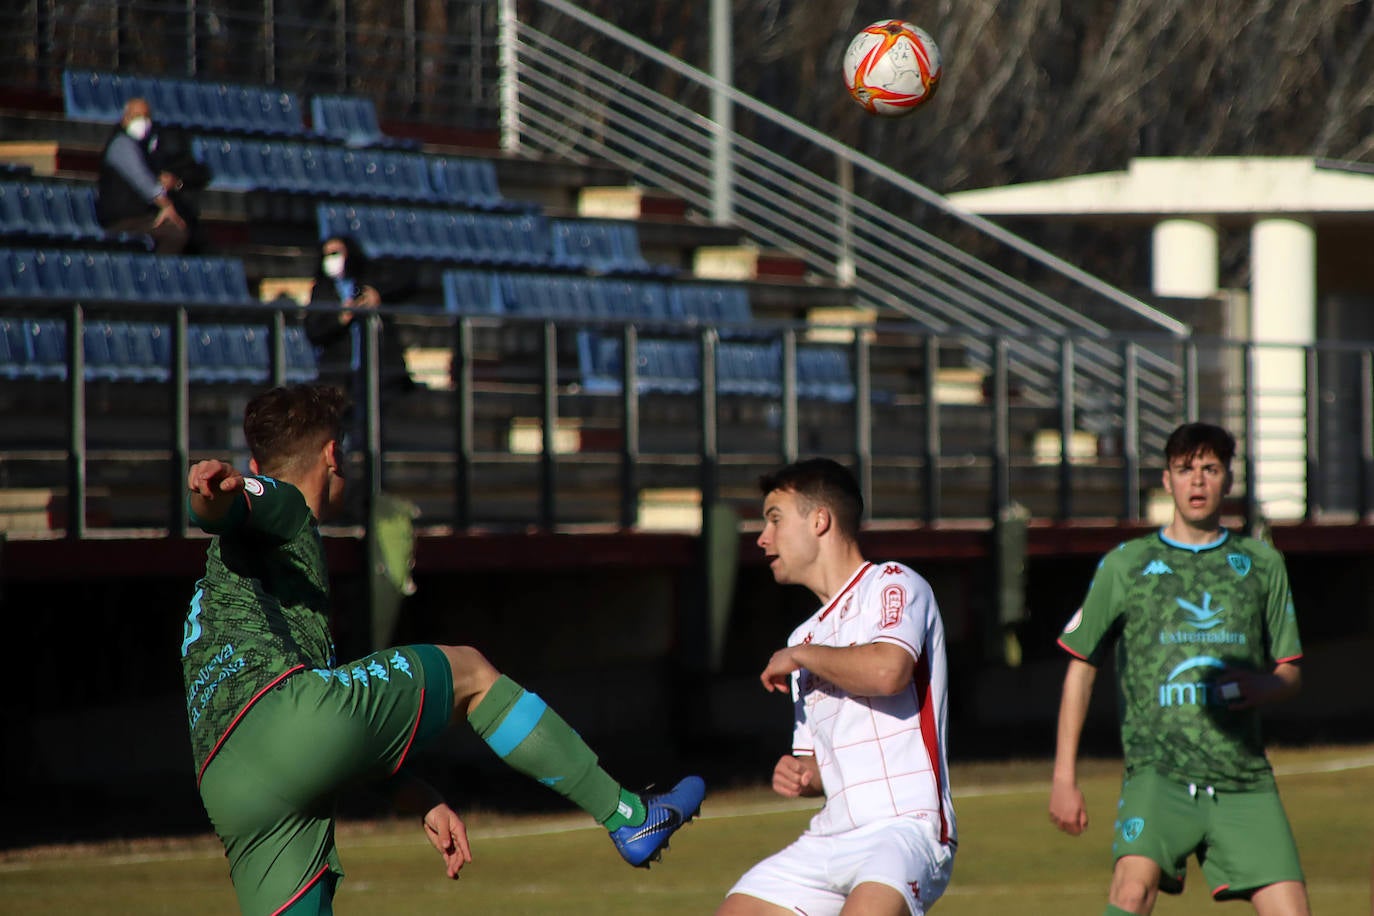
892	68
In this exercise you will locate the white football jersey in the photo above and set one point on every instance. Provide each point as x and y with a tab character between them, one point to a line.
879	757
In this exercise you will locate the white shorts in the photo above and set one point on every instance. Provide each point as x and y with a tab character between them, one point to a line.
816	873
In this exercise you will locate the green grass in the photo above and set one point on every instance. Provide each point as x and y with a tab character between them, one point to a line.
1010	858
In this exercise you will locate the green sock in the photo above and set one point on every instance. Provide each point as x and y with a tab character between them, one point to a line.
534	740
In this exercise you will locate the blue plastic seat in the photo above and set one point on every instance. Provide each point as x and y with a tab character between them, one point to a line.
149	351
12	221
300	356
47	348
469	292
100	362
346	119
34	213
14	349
599	361
90	96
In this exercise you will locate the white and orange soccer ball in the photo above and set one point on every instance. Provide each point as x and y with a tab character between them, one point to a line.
892	68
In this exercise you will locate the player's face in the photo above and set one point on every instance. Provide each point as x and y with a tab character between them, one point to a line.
788	538
1197	484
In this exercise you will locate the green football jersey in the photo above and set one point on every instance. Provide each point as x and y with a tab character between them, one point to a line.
1177	616
260	611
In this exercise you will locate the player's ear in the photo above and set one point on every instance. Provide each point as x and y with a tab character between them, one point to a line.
821	521
253	467
1226	484
1168	483
331	453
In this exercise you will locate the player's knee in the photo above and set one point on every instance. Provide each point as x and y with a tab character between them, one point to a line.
472	673
1132	894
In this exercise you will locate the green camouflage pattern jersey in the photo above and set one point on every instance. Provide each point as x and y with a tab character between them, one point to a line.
260	612
1178	615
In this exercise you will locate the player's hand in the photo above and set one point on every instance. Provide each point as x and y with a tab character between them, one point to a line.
778	673
447	834
212	477
1068	811
796	776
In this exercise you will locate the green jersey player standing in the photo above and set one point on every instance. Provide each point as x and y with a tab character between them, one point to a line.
279	726
1202	624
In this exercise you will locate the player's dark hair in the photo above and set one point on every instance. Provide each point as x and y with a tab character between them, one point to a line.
821	481
1191	438
284	424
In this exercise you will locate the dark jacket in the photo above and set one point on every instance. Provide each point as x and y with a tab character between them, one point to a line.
163	151
335	340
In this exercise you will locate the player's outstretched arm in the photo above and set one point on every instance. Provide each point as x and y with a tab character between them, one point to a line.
797	776
1068	810
876	669
213	486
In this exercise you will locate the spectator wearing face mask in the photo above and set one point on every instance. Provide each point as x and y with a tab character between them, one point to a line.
135	194
341	292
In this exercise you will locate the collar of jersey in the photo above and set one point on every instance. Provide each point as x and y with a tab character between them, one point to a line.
1195	548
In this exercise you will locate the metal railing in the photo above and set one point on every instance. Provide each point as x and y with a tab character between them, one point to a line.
522	442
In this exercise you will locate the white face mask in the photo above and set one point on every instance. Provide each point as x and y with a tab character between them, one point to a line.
333	265
138	128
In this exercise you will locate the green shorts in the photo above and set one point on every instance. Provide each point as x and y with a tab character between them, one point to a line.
270	790
1241	838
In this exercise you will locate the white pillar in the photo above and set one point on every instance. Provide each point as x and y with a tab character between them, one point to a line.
1283	310
1184	258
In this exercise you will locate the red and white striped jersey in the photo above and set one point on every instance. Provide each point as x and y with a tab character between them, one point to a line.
881	756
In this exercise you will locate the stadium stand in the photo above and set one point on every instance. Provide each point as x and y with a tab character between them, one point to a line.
478	239
119	276
57	213
471	183
192	104
648	303
743	368
605	247
35	349
352	121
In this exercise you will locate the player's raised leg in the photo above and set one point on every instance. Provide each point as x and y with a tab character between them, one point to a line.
533	739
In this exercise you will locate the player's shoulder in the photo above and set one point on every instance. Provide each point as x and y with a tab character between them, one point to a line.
1128	553
1260	551
881	575
259	486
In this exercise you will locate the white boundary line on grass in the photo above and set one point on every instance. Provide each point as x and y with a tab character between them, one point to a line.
88	859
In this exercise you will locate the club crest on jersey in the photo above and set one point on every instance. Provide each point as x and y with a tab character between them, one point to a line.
1131	829
253	486
1074	621
1239	562
894	599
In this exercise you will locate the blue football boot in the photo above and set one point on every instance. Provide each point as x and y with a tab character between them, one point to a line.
666	813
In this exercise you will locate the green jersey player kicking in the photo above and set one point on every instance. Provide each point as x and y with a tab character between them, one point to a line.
1204	633
278	725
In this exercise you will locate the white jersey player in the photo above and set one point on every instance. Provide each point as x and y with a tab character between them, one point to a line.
868	679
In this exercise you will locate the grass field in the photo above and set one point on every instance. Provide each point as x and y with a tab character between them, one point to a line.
1011	860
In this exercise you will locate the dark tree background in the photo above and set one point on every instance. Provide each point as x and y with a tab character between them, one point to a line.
1037	89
